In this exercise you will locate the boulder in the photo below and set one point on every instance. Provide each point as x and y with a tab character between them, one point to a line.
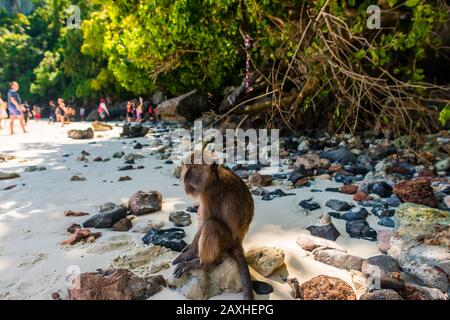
326	288
123	224
383	272
312	161
9	175
265	260
113	284
81	134
384	240
325	229
203	284
341	155
421	216
260	180
145	202
349	189
416	292
338	259
187	107
77	178
180	218
416	191
134	131
98	126
338	205
107	217
383	294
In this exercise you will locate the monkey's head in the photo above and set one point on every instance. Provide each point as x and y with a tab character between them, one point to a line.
198	177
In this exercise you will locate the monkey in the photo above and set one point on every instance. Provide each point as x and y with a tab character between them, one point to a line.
225	212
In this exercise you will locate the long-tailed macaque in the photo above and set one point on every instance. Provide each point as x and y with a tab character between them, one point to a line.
225	212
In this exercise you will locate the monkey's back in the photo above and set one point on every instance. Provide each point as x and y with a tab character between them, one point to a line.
230	201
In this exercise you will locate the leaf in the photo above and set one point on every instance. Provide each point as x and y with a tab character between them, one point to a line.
412	3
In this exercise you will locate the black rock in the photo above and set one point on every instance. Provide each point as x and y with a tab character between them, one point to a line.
332	190
356	169
168	162
333	214
131	161
386	222
385	269
360	229
341	155
169	238
140	167
309	204
279	176
358	213
343	179
261	287
393	201
124	168
85	153
65	155
106	218
381	211
327	231
137	146
192	209
298	174
98	159
278	193
315	190
380	188
380	152
338	205
118	155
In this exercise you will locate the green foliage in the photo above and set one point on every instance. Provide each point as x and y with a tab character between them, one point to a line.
444	115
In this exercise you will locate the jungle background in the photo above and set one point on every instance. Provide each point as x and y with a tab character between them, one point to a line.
307	64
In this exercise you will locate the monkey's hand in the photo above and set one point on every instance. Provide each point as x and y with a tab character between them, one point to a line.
185	255
184	267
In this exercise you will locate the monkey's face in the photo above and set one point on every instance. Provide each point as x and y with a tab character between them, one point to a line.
197	177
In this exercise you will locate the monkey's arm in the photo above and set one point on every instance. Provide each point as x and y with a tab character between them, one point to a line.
189	252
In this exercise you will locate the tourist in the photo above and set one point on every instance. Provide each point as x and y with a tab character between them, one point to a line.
26	111
129	115
36	112
103	110
51	117
14	106
140	110
82	113
61	111
3	112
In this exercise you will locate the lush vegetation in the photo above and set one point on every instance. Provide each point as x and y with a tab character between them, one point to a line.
133	47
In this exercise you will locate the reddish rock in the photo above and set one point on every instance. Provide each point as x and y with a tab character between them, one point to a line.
260	180
70	213
312	161
113	284
79	235
398	170
416	292
335	168
384	240
56	296
425	172
349	189
123	224
361	196
416	191
302	182
73	227
326	288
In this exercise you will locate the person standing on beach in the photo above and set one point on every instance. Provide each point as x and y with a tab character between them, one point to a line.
51	117
14	107
103	110
140	110
60	111
129	116
26	111
3	112
36	112
82	112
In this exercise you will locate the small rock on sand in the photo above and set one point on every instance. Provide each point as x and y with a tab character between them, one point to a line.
324	287
265	260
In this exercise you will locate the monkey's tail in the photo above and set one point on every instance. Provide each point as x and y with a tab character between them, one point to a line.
238	254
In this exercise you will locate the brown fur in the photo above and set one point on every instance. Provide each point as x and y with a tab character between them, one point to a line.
225	213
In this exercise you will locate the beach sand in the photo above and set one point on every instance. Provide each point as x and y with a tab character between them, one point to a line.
33	264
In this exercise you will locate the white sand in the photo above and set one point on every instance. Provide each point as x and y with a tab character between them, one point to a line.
32	223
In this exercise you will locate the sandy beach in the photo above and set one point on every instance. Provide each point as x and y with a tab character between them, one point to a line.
33	264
